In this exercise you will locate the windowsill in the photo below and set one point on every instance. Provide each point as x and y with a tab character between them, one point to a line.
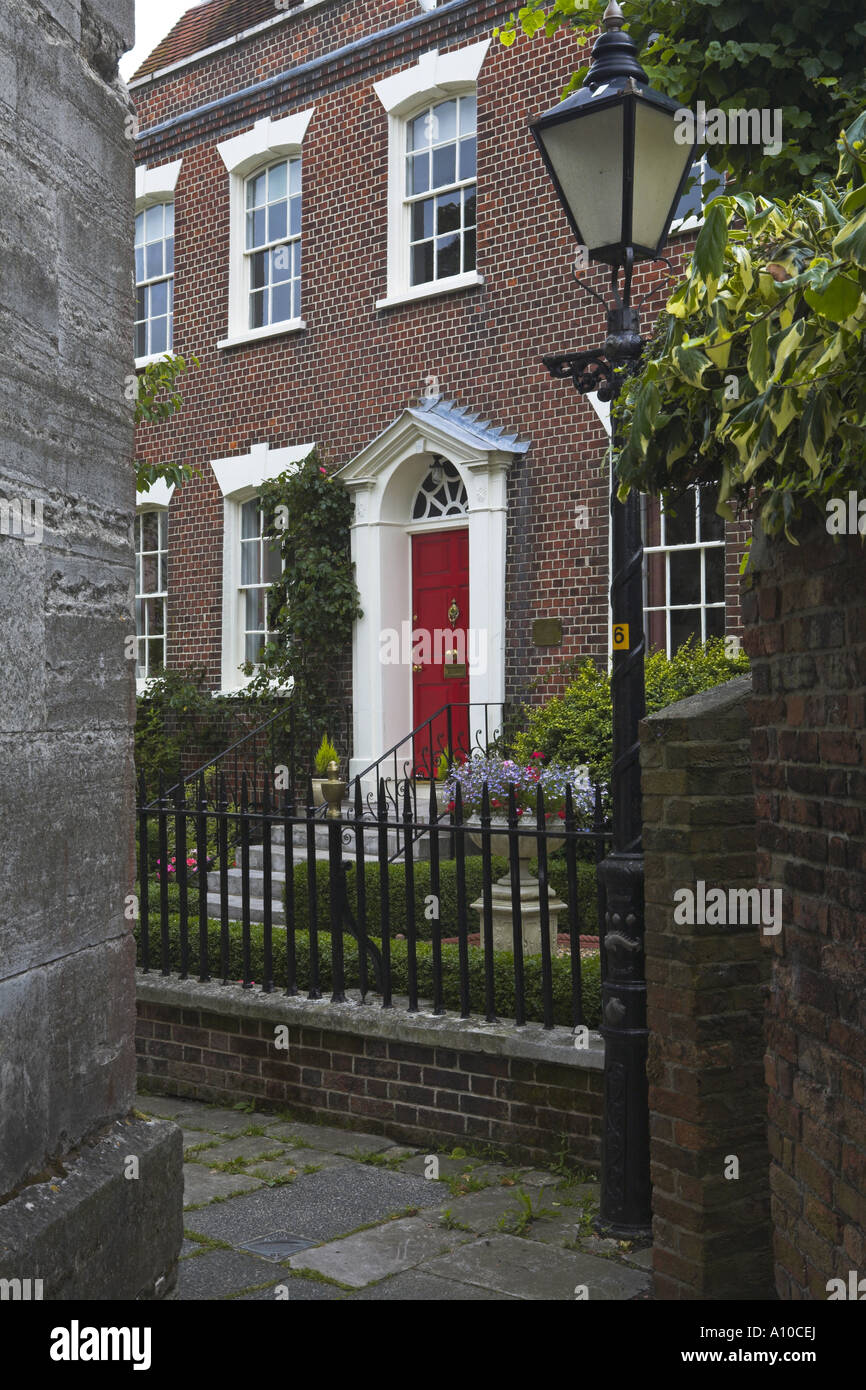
239	691
255	335
141	362
433	287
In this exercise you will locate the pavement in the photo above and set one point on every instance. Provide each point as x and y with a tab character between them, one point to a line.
279	1209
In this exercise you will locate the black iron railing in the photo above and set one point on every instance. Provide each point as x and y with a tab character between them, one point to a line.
254	893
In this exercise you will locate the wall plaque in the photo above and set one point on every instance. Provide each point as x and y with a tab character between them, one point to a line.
547	632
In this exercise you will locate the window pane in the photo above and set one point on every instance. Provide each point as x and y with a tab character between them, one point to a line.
278	221
447	212
250	524
468	114
418	173
169	256
272	564
149	532
418	132
141	340
422	263
467	159
139	616
448	256
257	309
159	298
685	574
139	229
281	263
153	259
250	562
655	567
444	165
712	525
469	251
155	616
422	219
281	303
295	217
159	335
253	647
685	623
139	264
277	183
656	633
169	219
258	270
469	203
714	560
652	521
680	528
256	191
296	252
445	120
153	229
256	227
254	600
295	176
149	574
715	622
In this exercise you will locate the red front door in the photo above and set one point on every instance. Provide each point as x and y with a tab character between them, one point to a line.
440	631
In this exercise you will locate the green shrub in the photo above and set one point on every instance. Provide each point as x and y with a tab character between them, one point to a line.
557	874
503	970
575	727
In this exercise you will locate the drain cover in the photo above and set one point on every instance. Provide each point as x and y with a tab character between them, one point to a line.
277	1247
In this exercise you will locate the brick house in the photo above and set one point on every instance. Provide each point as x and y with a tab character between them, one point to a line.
342	214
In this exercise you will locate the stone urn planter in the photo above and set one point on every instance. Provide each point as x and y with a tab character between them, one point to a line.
530	894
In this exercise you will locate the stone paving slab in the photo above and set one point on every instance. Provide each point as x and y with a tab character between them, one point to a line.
327	1137
292	1289
536	1272
384	1250
318	1207
448	1167
417	1287
200	1185
246	1146
482	1211
218	1273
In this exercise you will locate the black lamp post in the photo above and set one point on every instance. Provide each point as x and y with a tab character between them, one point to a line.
619	172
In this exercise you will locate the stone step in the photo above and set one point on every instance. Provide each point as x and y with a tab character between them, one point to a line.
257	909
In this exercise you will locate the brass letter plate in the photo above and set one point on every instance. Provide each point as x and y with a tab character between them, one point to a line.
547	632
454	671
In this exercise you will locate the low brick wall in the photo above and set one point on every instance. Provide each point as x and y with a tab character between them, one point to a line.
705	1005
416	1078
806	636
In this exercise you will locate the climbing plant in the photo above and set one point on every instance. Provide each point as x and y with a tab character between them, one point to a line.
313	606
155	394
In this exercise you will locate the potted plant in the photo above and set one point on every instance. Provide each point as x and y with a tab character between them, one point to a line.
327	754
501	773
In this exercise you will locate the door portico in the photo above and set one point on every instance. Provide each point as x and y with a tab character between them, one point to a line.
385	479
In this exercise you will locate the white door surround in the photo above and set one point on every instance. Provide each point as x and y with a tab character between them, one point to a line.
385	478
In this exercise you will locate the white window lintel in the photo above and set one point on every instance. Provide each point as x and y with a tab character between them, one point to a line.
240	477
158	496
156	185
242	153
433	78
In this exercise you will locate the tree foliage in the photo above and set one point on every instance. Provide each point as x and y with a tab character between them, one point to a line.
756	376
804	59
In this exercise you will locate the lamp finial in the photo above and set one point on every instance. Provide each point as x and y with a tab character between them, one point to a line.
613	17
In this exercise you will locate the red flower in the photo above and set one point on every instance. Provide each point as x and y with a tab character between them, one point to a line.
561	815
451	805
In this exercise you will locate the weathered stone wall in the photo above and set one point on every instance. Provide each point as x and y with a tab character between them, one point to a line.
705	1002
67	1002
805	609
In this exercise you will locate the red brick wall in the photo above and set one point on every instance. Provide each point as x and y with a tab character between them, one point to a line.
350	373
806	635
415	1092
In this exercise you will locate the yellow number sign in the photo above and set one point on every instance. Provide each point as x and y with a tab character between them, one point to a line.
620	637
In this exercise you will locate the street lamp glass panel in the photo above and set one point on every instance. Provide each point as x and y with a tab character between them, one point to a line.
585	154
659	166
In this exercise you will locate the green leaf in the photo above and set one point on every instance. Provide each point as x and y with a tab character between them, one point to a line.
690	363
850	243
837	300
709	253
757	363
